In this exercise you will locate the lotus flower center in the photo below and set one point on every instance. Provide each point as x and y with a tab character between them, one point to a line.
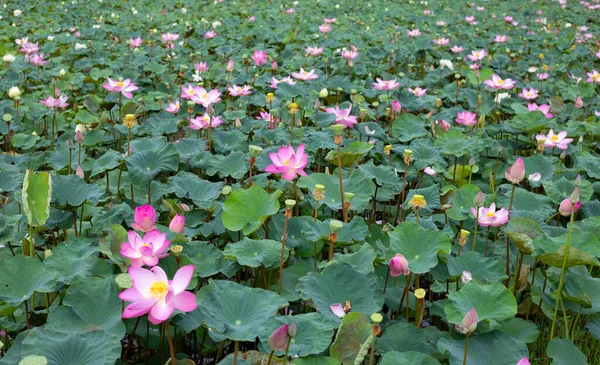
191	92
500	81
554	138
489	214
145	245
596	78
159	289
120	84
286	162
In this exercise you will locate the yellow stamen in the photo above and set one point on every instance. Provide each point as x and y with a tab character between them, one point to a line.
120	84
490	214
159	289
554	138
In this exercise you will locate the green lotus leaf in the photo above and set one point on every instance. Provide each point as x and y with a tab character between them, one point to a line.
584	250
24	141
531	122
483	269
456	143
430	193
207	259
233	311
588	163
561	189
408	127
316	360
229	141
581	288
338	283
350	154
525	201
418	245
235	164
523	232
36	193
593	327
361	260
144	165
203	193
425	155
228	360
108	161
421	340
564	352
463	201
485	349
73	259
71	190
545	165
247	210
291	276
111	245
313	334
355	330
255	253
407	358
384	175
22	276
521	330
357	183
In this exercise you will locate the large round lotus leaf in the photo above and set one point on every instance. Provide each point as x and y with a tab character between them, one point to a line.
189	321
522	232
545	165
312	337
591	224
203	193
588	163
73	191
418	245
107	161
490	348
90	304
408	126
422	340
593	327
407	358
455	143
531	122
255	253
581	288
75	348
8	225
483	269
338	283
236	312
521	330
235	164
426	155
354	231
291	276
463	201
23	275
144	165
384	175
562	188
564	352
354	332
247	210
206	258
316	360
361	260
584	250
525	201
73	259
357	183
493	303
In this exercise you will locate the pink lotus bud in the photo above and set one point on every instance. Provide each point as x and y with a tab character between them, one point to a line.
516	173
78	137
524	361
230	66
210	110
279	339
466	277
398	266
429	171
479	199
274	65
535	177
144	218
566	207
79	172
469	323
184	207
472	161
574	198
338	310
69	143
177	224
444	125
396	106
578	103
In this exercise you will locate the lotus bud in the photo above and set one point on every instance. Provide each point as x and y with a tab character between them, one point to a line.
176	250
574	198
274	65
279	339
524	361
479	199
472	161
563	155
184	207
469	323
323	93
566	207
399	266
444	125
578	180
292	330
396	106
466	276
14	93
579	103
177	224
230	66
516	173
79	172
69	143
237	122
144	218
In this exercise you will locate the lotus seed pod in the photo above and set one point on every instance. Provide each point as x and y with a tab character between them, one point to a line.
123	281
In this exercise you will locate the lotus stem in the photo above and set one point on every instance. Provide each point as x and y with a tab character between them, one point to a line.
288	213
236	346
475	230
466	350
512	195
287	350
270	357
562	274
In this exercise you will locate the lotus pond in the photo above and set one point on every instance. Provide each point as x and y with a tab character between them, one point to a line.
309	182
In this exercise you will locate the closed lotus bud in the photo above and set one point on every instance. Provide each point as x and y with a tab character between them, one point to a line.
62	72
292	330
399	266
444	125
274	65
279	339
237	122
323	93
574	198
524	361
184	207
578	180
566	207
472	161
466	276
79	172
177	224
396	106
14	93
469	323
479	199
516	173
579	103
144	218
69	143
79	134
230	66
563	155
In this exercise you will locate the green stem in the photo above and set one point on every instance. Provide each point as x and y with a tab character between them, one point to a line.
466	350
344	214
372	352
512	195
475	230
236	346
270	357
171	347
562	274
283	239
287	350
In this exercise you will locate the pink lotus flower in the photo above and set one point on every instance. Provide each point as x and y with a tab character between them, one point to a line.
396	106
566	207
338	310
144	218
440	42
429	171
205	98
578	103
304	75
417	91
593	76
516	173
385	84
173	107
443	124
210	34
145	251
457	49
349	54
477	55
177	224
204	122
325	28
169	37
491	217
37	60
124	87
280	337
22	41
509	19
313	51
399	266
501	38
332	20
542	76
530	94
153	293
260	57
413	33
29	48
342	116
201	66
236	90
290	11
440	23
135	42
470	19
544	108
524	361
287	80
288	163
271	119
498	83
469	323
466	118
52	103
555	140
474	67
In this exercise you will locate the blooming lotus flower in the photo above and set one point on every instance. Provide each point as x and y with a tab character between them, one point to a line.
37	60
29	48
177	224
498	83
593	76
466	118
236	90
22	41
173	107
429	171
530	94
313	51
385	84
446	64
440	42
271	119
135	42
413	33
349	54
338	310
470	19
509	19
399	266
491	217
288	163
535	177
516	173
280	337
304	75
144	218
204	122
555	140
124	87
332	20
477	55
469	323
440	23
260	57
147	250
205	98
290	11
169	37
325	28
417	91
566	207
501	38
187	92
153	293
287	80
524	361
52	103
201	66
542	76
342	116
457	49
544	108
